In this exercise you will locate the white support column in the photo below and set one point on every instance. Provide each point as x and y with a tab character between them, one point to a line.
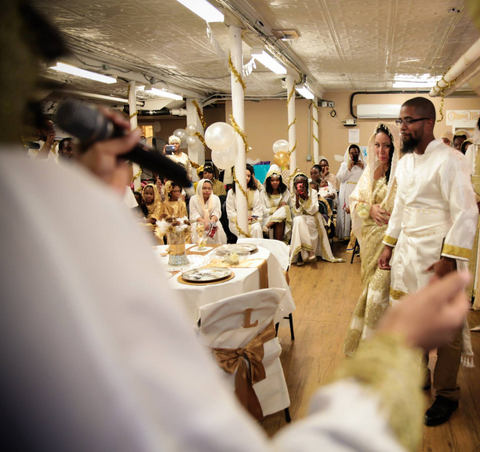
239	115
315	131
196	155
292	131
132	104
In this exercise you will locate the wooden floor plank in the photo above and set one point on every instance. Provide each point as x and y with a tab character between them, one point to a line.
325	295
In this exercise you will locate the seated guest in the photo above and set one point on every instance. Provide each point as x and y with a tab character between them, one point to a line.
152	201
141	208
447	138
206	211
459	137
174	206
65	149
325	194
316	177
325	174
277	205
254	206
218	187
465	145
309	237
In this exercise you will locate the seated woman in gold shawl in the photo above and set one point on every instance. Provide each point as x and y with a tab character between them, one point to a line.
153	202
371	204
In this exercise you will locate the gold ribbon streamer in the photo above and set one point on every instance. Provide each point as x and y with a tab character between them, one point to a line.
441	91
247	362
315	120
194	165
291	124
238	184
241	231
200	137
199	113
315	138
314	105
235	73
238	129
293	149
137	175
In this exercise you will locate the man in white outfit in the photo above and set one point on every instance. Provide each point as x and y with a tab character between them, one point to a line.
432	228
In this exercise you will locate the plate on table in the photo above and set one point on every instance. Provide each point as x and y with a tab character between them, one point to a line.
239	249
202	275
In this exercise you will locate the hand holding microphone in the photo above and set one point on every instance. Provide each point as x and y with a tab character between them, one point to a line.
105	136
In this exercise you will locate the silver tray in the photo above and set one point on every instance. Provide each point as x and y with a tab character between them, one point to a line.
206	274
249	246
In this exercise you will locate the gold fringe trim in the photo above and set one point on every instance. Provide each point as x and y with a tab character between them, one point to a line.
200	137
137	175
291	124
242	134
236	74
238	184
199	113
293	149
194	165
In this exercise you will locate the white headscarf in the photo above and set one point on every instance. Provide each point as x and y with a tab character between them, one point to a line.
206	208
346	156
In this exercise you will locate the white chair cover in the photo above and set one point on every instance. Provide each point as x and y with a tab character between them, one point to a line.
276	247
224	325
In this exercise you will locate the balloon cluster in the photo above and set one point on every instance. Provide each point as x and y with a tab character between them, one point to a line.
220	138
187	136
280	149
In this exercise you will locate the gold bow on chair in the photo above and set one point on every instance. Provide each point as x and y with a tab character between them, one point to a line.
235	359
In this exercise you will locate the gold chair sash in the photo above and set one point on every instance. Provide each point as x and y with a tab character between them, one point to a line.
247	361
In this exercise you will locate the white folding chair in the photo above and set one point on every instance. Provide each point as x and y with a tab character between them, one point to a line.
282	253
236	323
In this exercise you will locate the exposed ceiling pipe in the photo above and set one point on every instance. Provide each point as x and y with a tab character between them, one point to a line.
97	96
465	61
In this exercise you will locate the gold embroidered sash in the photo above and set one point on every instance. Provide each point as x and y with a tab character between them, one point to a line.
247	361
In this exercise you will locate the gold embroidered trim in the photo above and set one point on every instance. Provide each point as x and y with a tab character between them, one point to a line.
391	370
397	294
456	251
389	240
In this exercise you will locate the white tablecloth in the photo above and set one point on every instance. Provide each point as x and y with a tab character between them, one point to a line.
245	280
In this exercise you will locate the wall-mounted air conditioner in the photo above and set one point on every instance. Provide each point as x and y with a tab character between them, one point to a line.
378	111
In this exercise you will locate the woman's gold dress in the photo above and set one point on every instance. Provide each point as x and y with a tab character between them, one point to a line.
374	300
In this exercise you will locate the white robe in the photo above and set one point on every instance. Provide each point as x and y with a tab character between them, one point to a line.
348	181
196	212
99	334
254	209
271	212
308	232
434	215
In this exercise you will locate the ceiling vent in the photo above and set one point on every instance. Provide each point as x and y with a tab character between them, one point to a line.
286	33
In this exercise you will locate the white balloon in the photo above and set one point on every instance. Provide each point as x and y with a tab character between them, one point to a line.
224	159
191	129
180	133
191	141
219	136
280	145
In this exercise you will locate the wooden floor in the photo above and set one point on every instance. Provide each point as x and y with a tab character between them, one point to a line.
325	295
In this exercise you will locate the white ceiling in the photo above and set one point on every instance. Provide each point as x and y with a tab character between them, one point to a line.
345	45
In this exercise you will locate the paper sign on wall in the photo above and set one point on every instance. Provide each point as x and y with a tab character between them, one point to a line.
354	136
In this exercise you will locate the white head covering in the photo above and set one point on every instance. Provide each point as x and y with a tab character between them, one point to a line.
346	156
174	139
206	208
364	190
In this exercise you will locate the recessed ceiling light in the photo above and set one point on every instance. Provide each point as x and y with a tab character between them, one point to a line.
203	9
72	70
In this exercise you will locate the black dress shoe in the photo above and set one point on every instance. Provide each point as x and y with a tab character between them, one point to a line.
440	411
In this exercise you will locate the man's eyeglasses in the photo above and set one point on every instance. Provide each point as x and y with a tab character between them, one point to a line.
408	121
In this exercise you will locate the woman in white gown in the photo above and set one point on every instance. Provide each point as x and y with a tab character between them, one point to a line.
277	206
349	174
254	206
309	237
205	209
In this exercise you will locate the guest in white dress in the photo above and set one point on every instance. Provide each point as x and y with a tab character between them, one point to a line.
205	210
254	206
349	174
309	237
277	206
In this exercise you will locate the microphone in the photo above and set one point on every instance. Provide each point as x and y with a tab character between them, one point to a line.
89	125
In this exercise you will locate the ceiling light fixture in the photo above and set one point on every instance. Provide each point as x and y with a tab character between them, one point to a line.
268	61
408	81
203	9
304	91
72	70
160	92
